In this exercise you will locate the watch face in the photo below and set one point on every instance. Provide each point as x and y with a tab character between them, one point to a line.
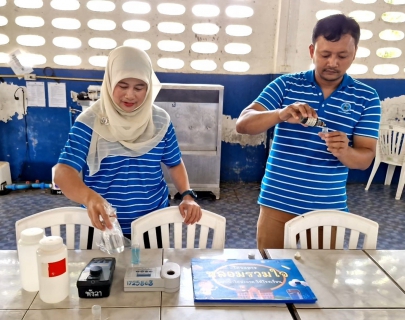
189	192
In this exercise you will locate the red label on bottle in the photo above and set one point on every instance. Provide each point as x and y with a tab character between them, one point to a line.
56	268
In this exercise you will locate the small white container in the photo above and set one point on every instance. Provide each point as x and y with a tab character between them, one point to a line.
96	312
27	256
5	175
52	270
54	186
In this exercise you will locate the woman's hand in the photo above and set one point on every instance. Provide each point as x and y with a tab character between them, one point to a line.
190	211
73	187
97	207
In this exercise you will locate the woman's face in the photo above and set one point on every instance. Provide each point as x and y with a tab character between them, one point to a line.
129	94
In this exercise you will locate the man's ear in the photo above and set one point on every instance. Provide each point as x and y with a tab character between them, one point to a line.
355	52
311	50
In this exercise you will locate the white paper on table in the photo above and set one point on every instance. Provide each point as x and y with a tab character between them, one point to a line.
16	65
36	94
57	95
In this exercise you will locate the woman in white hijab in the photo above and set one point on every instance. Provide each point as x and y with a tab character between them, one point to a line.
119	143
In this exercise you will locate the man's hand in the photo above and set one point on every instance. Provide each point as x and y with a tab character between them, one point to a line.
295	111
190	211
336	142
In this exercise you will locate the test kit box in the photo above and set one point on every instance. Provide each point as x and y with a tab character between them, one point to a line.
143	279
165	278
96	278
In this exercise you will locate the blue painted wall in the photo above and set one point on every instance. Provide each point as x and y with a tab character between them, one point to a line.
47	128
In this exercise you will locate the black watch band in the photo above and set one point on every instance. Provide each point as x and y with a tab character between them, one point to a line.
189	192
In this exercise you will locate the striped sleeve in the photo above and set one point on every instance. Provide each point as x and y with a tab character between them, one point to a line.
171	154
75	152
369	122
273	95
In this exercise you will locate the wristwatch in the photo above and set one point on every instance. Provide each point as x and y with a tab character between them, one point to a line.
189	192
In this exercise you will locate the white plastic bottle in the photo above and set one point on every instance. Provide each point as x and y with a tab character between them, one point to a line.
27	256
52	270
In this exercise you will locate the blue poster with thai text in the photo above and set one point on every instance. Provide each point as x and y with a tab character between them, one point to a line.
266	281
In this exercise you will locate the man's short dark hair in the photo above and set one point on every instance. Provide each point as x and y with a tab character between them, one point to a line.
333	27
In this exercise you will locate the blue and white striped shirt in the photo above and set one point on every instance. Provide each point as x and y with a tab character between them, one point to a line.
133	185
301	175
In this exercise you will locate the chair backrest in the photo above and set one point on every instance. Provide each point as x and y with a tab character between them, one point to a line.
171	215
326	219
391	144
55	218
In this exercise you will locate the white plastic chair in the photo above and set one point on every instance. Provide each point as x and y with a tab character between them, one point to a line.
390	150
54	218
326	219
171	215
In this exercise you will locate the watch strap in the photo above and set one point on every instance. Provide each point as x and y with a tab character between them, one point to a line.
189	192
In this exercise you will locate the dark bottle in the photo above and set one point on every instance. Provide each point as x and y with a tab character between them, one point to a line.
313	122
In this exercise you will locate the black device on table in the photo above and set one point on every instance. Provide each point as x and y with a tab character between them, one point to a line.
96	278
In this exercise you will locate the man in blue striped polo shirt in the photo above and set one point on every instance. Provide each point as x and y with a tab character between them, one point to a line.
307	169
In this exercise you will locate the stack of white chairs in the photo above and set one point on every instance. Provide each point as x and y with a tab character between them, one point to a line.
390	150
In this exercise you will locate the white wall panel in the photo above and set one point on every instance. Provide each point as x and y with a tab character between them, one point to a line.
305	10
262	39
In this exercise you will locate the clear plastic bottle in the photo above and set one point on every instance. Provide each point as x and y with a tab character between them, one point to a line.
52	270
27	256
112	240
312	122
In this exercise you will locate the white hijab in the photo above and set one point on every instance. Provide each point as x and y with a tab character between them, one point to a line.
120	133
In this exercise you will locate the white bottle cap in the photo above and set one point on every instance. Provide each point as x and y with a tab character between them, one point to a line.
31	235
251	255
51	243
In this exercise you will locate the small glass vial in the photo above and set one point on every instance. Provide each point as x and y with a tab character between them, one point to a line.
313	122
96	312
27	256
52	270
135	251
